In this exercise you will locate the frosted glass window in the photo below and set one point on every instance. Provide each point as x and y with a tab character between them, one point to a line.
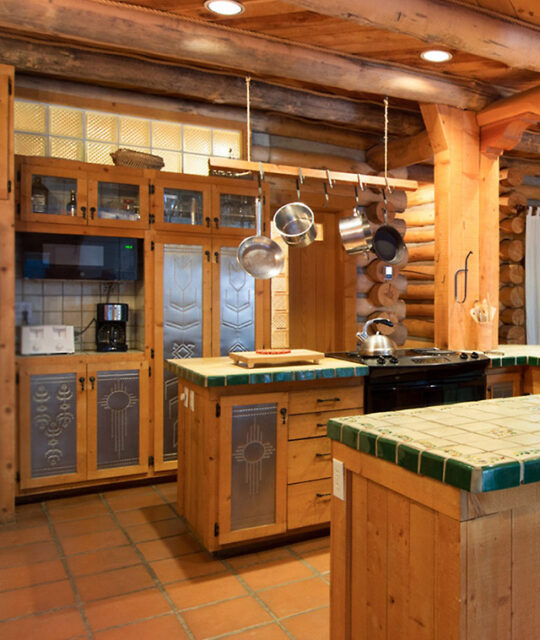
66	122
134	131
198	140
29	145
166	135
101	126
196	164
226	143
30	116
66	148
99	152
172	160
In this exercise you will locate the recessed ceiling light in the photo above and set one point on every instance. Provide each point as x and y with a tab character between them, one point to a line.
436	55
225	7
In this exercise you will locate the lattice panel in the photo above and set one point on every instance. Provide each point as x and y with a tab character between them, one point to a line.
27	144
196	164
197	140
166	135
66	122
227	143
172	160
99	152
30	116
134	131
101	126
66	148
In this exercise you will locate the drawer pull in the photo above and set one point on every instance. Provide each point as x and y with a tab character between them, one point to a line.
323	495
328	399
321	424
323	455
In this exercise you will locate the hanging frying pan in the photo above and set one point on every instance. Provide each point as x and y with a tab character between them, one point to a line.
387	242
258	255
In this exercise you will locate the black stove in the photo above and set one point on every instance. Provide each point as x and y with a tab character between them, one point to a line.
412	378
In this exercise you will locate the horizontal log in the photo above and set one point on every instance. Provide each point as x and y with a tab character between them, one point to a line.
512	274
513	316
421	172
510	177
364	308
511	250
423	195
415	309
419	271
383	294
420	328
399	334
530	191
363	283
512	296
528	167
383	328
420	291
421	252
376	211
377	271
402	152
512	202
420	216
420	234
397	223
511	334
295	158
514	224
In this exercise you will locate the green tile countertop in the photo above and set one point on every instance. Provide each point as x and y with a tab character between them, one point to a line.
223	372
476	446
508	355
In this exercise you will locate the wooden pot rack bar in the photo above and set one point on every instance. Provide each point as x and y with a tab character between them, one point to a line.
318	174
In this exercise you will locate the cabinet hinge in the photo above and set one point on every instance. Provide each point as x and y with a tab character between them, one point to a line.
216	529
152	353
149	372
18	208
18	476
151	218
17	378
150	461
151	189
18	176
9	186
10	86
218	409
152	245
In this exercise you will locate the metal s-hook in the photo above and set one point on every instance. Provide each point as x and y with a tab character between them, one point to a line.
325	194
360	183
330	183
465	274
300	176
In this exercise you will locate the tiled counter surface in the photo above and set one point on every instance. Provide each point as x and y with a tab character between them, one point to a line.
507	355
476	446
223	372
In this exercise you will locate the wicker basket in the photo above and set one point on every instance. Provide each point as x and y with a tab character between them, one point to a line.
137	159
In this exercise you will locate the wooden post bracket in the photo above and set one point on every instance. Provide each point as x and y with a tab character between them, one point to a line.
379	182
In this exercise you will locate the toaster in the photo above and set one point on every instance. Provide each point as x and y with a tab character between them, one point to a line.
46	338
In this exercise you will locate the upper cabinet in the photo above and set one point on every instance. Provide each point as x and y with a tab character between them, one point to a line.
68	192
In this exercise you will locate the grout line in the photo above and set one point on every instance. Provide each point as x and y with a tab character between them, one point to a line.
78	600
152	573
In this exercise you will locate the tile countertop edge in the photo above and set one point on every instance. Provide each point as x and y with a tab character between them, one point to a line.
376	436
241	375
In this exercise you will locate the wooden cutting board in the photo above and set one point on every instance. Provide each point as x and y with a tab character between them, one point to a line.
252	358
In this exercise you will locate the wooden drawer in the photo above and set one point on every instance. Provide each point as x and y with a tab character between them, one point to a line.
331	399
308	503
311	425
309	459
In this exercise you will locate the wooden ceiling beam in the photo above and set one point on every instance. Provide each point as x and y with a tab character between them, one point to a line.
402	152
455	26
157	34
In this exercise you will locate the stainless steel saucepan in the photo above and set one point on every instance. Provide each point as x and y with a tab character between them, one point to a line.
258	255
355	232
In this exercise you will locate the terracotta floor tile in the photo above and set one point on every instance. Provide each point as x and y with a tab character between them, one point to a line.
56	625
114	583
30	515
73	501
29	574
13	535
319	560
103	614
159	529
169	491
189	566
199	591
144	515
28	554
86	525
165	627
296	597
129	491
268	632
22	602
168	547
314	625
78	511
135	501
225	617
93	541
249	559
104	560
270	574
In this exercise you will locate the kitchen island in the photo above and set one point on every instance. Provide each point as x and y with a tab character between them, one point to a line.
253	457
436	523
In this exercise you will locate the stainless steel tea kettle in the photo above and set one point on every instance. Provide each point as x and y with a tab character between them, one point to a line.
377	344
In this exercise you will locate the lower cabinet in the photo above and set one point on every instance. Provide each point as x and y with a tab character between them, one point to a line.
504	383
254	469
81	421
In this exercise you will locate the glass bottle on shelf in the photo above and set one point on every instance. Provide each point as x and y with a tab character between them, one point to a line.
40	196
71	207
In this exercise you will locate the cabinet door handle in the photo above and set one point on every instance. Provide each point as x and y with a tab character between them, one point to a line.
83	211
92	380
328	399
323	495
92	211
283	412
320	425
216	256
322	455
207	220
81	382
216	222
207	254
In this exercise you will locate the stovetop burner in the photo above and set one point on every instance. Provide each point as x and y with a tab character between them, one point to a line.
411	358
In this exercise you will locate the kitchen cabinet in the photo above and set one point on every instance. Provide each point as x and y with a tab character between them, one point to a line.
115	197
504	383
81	419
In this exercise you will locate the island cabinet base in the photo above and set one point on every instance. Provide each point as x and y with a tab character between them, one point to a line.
415	559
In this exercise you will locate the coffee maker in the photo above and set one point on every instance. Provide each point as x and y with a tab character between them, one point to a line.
111	326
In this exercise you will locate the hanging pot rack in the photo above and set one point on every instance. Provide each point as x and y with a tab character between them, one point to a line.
379	182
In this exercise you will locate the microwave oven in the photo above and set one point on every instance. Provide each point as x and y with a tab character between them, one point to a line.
62	256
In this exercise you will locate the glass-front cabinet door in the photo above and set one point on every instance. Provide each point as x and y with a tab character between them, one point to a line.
180	204
118	198
52	419
234	209
117	419
183	322
53	192
252	466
